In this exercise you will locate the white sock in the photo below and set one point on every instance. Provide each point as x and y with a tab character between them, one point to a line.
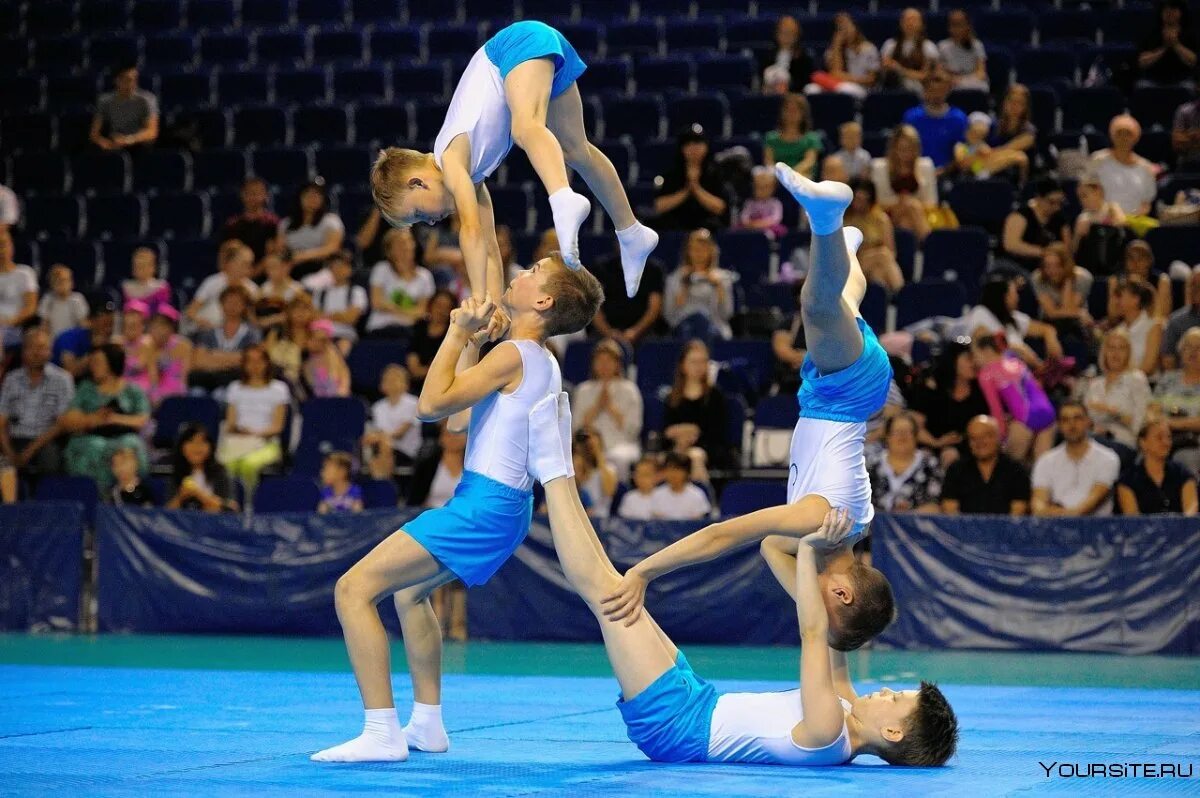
637	242
824	202
382	740
570	210
565	432
425	730
854	239
545	446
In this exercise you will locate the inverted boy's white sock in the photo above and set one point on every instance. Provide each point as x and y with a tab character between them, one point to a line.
824	202
382	740
570	210
425	730
637	242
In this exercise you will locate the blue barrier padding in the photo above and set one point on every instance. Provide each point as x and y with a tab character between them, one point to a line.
41	565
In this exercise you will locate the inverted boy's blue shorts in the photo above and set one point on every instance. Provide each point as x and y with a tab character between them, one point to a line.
525	41
853	394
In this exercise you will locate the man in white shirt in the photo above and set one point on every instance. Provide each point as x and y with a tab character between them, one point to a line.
1076	477
343	303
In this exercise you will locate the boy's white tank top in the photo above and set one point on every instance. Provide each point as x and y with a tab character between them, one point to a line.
480	110
756	728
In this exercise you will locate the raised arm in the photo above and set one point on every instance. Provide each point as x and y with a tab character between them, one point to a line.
445	392
472	237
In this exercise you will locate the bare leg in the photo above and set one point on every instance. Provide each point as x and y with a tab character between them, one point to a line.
8	485
423	648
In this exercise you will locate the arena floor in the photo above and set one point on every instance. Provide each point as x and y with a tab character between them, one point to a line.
184	716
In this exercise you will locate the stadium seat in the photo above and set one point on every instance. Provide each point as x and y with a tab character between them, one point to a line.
771	295
359	84
452	40
343	165
880	26
754	114
1174	242
511	206
747	31
329	424
392	43
429	117
957	256
1155	146
210	14
970	100
376	11
59	55
755	359
696	35
49	18
379	493
80	256
776	412
321	12
324	125
906	252
381	124
21	93
243	87
1156	105
70	91
1004	25
606	75
57	488
156	16
829	110
724	72
1126	25
118	258
984	203
104	51
189	262
917	301
668	73
337	46
1046	64
577	361
656	361
748	495
1067	24
114	216
15	54
219	168
270	14
873	308
264	126
176	216
39	173
52	217
186	89
1091	107
224	49
160	170
680	10
175	411
172	50
369	358
641	38
639	117
303	86
29	131
884	109
293	494
709	110
747	252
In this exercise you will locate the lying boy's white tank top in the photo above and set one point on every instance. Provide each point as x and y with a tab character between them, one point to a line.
498	437
756	728
480	110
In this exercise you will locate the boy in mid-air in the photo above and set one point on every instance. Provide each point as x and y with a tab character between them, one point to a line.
519	87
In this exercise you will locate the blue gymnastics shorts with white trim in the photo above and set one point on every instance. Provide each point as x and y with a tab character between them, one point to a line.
670	721
853	394
525	41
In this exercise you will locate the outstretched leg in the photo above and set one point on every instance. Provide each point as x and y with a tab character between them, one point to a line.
423	649
835	284
527	89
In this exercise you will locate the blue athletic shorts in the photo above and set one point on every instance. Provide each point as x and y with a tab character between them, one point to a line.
477	530
671	719
853	394
525	41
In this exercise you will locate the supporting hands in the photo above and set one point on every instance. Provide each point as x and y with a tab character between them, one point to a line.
626	602
473	315
833	532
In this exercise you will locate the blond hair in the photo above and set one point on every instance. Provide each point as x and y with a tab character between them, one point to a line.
389	178
577	296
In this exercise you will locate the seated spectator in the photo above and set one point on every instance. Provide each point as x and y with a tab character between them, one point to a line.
611	404
72	349
395	431
695	422
948	401
997	313
254	419
763	211
18	293
790	345
276	292
988	482
1156	484
428	335
939	125
1062	290
620	317
1185	136
793	141
974	157
877	254
1095	208
699	295
638	503
368	241
325	370
199	482
1015	399
855	159
127	117
791	63
10	208
106	414
437	472
145	284
909	57
161	359
691	194
595	476
1075	478
906	182
1014	129
134	319
1134	303
1128	179
128	489
903	477
1177	401
851	63
235	262
1118	398
400	289
256	226
310	232
339	494
342	303
1180	322
219	352
32	398
63	308
962	54
832	168
1138	267
287	344
1167	56
1037	224
678	499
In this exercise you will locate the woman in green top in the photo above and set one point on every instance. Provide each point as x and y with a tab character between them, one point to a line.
794	143
106	414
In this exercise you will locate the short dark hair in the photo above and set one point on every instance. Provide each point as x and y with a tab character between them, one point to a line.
872	610
342	460
577	296
676	460
1045	186
1143	292
1072	403
115	355
930	732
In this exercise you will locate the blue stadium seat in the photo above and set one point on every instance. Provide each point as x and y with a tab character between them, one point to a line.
118	259
1126	25
754	359
732	72
101	16
1066	24
1098	299
656	364
321	125
1174	242
638	117
621	153
210	14
884	109
710	110
189	262
170	49
452	40
302	86
640	38
1156	105
286	168
186	89
156	16
58	55
224	49
754	114
745	31
369	358
80	256
984	203
15	54
176	216
104	52
114	216
383	124
577	361
906	252
21	93
585	36
748	495
329	424
879	27
343	165
1091	107
1046	64
776	412
55	488
160	170
606	75
218	168
53	217
747	252
379	493
873	308
243	87
266	13
1004	25
392	43
28	131
957	256
829	111
175	411
337	46
970	100
376	11
428	118
359	84
999	69
681	10
354	205
70	91
421	81
771	295
698	35
49	18
669	73
431	11
264	126
293	494
917	301
321	12
654	413
511	206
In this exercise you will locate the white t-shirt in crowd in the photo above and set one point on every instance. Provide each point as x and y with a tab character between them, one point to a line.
310	236
63	313
255	407
979	316
689	504
1069	481
208	294
1130	186
389	417
14	285
636	506
10	209
443	486
338	298
405	293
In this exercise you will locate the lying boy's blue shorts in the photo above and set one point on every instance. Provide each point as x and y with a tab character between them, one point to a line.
670	720
525	41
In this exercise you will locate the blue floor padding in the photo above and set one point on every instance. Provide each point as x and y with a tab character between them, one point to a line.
126	732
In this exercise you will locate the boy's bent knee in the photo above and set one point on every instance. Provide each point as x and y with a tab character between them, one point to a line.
525	129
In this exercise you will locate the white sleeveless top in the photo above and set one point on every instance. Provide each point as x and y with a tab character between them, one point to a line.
756	729
480	110
498	438
1139	337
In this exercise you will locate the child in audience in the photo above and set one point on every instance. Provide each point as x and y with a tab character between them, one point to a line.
851	153
764	211
236	262
395	431
325	370
275	294
638	504
678	499
1095	207
339	494
128	488
977	158
145	284
63	308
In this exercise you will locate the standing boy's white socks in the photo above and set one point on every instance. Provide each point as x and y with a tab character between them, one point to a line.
425	730
382	740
